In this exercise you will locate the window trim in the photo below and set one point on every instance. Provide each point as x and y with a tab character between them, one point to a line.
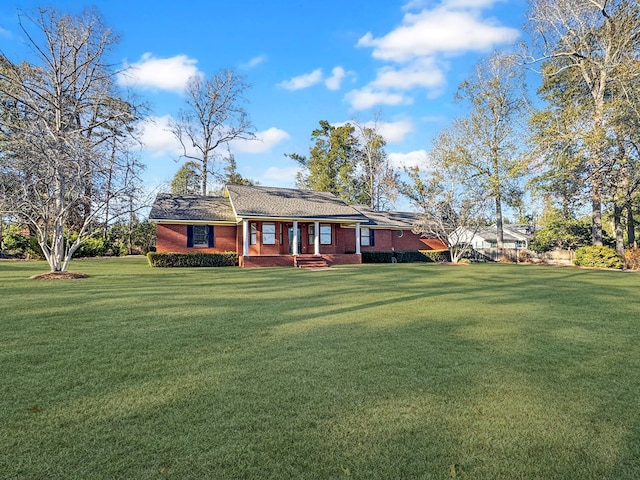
206	242
325	234
253	233
367	239
268	235
311	234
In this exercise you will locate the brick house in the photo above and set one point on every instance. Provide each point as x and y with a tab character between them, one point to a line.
270	226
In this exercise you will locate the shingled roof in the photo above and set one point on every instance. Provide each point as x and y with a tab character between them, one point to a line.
393	220
191	208
273	202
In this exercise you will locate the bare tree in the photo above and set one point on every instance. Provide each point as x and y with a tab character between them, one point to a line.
214	116
450	211
61	131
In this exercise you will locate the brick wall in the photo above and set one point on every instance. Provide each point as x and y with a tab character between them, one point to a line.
388	240
172	238
228	238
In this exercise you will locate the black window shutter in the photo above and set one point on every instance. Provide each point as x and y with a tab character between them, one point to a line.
210	235
372	237
189	235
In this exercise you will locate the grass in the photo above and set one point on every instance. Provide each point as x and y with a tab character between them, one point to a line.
364	372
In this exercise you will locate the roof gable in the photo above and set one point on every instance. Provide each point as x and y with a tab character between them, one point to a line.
195	208
273	202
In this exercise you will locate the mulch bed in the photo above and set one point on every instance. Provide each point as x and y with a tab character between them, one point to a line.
59	276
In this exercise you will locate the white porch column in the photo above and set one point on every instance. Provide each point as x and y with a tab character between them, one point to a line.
357	239
316	238
245	238
295	249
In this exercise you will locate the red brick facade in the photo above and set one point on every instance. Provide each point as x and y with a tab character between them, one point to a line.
173	238
229	238
401	240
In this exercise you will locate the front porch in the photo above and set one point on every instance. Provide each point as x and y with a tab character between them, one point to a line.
290	260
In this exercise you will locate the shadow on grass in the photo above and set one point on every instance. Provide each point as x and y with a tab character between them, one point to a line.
363	373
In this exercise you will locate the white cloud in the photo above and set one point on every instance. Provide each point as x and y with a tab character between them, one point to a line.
302	81
420	73
417	49
163	73
254	62
417	158
452	28
394	132
367	97
157	138
335	80
264	142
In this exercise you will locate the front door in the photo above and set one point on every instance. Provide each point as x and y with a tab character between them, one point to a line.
290	237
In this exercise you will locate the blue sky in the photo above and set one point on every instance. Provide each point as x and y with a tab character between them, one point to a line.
307	60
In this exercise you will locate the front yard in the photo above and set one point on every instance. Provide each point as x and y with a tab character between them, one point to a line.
404	371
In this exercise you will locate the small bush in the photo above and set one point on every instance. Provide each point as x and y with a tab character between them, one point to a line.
597	256
91	247
437	256
632	259
17	243
226	259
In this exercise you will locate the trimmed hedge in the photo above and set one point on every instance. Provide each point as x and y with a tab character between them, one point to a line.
410	256
226	259
377	257
597	256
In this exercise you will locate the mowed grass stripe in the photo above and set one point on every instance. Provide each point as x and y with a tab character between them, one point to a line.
372	371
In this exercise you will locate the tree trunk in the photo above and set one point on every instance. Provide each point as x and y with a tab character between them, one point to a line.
499	226
596	214
631	228
619	230
205	173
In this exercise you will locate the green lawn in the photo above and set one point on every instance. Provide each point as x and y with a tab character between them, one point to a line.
366	372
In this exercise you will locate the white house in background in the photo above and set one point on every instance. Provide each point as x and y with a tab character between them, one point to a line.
516	236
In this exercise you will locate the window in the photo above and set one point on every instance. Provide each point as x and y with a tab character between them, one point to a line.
199	235
399	233
253	229
311	234
366	237
268	233
325	234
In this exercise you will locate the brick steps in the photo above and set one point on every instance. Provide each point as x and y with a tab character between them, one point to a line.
310	262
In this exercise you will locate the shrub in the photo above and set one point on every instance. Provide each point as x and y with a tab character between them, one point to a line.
561	233
377	257
226	259
13	241
409	256
91	247
632	259
597	256
16	242
412	256
437	256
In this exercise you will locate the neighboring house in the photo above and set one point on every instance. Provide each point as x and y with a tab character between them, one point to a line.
515	236
269	226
